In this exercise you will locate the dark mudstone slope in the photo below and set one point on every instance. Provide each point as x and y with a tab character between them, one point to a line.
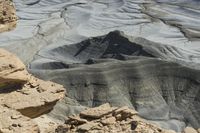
115	45
120	71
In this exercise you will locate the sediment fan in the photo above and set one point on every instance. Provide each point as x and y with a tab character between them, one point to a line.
122	70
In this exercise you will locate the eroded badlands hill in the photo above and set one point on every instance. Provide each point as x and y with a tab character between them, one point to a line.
24	101
121	70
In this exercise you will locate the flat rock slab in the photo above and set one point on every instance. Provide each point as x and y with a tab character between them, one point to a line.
97	112
33	101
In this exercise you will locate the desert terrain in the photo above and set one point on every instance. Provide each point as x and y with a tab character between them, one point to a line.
62	62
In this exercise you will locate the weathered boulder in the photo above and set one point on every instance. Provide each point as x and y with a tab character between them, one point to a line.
12	70
8	18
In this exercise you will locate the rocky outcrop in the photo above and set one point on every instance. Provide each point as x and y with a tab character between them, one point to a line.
8	18
107	119
22	96
22	91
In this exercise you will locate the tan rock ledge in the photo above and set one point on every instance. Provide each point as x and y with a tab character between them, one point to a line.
21	91
107	119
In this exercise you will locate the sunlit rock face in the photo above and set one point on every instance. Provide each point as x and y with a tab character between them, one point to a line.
23	97
152	66
18	88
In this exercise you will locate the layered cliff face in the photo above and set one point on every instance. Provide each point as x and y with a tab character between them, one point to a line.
122	70
22	96
8	16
